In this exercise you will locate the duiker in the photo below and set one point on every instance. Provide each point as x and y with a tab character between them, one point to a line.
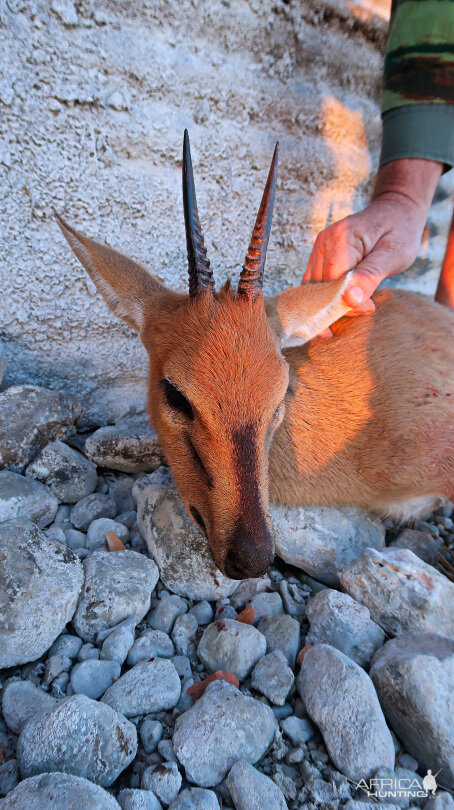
249	406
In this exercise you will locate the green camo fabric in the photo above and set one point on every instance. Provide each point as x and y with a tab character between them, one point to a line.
418	97
419	61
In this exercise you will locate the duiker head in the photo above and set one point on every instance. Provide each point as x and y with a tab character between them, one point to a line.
217	378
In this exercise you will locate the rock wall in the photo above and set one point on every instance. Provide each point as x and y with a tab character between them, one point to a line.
94	96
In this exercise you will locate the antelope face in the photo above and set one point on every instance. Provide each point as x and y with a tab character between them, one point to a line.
217	378
216	395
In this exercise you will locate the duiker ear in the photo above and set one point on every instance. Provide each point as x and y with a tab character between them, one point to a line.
127	286
300	313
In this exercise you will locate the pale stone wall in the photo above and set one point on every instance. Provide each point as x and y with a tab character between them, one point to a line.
94	97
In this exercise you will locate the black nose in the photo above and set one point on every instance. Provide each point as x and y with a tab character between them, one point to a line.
247	560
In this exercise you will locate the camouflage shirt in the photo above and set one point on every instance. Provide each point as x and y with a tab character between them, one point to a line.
418	98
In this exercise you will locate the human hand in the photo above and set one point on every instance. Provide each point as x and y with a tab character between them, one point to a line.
381	240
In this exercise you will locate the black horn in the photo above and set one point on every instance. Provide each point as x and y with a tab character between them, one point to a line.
251	279
200	274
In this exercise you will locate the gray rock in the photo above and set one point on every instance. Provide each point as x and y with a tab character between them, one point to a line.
117	586
59	791
87	652
321	539
403	594
62	516
166	751
298	729
25	499
78	736
138	800
414	678
9	776
67	473
182	665
203	612
164	780
151	644
40	581
120	489
21	701
66	644
341	700
231	645
195	799
97	530
150	686
273	677
184	632
266	604
336	619
55	665
75	539
91	508
57	533
281	633
2	362
118	644
222	727
423	544
150	733
294	598
163	616
93	677
248	589
130	446
252	790
30	418
128	518
180	550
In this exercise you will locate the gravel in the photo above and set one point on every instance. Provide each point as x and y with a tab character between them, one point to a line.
195	799
163	616
151	644
92	678
79	736
150	686
129	799
40	581
92	507
97	530
228	644
281	633
164	780
273	677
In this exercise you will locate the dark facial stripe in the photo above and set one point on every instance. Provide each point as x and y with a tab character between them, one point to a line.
251	521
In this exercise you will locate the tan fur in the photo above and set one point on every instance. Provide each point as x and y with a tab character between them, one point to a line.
368	419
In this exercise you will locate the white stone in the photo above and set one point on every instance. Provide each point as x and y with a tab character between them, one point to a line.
231	645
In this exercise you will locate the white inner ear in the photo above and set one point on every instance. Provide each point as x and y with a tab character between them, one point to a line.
303	325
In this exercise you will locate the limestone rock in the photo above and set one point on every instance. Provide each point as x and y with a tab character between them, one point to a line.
336	619
221	728
164	780
414	678
67	473
252	790
321	540
196	799
130	446
40	581
22	700
341	700
234	646
94	506
30	418
58	791
180	550
93	677
79	736
26	499
132	799
150	686
403	594
273	677
117	586
281	633
2	362
423	544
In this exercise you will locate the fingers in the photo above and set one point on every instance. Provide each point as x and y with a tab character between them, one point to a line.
336	250
364	281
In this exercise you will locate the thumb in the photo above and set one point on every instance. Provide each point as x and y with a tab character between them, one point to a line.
363	283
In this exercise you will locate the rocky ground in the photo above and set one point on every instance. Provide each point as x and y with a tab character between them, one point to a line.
134	675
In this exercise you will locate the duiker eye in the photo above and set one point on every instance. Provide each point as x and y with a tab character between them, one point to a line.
176	400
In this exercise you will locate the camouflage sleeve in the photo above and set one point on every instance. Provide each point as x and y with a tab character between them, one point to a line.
418	98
